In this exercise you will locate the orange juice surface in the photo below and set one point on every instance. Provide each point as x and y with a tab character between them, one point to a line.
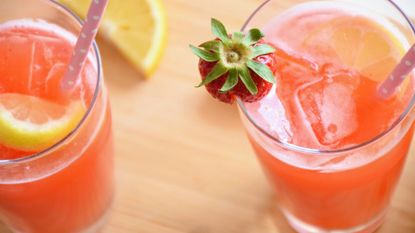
69	188
330	62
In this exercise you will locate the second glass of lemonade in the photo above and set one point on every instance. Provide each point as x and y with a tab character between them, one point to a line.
331	147
56	147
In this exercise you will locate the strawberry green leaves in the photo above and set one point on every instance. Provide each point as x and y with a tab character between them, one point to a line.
205	55
253	36
261	50
219	30
231	82
234	57
238	36
216	72
261	70
212	45
247	80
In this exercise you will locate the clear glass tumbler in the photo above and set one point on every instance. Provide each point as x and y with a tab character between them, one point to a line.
69	187
345	190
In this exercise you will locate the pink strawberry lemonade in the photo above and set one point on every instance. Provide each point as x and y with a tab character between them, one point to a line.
326	99
69	188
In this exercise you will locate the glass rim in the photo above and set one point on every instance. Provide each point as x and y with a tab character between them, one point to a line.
301	149
45	152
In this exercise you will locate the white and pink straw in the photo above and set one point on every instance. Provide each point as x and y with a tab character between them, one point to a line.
398	75
84	43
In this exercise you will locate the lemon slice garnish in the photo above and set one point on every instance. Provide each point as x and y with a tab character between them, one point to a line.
29	123
137	27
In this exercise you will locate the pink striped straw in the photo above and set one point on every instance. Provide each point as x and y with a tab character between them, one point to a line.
84	43
398	75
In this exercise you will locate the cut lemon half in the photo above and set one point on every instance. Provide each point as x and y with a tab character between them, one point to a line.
28	123
137	27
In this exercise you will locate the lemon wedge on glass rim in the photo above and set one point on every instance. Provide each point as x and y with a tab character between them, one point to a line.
137	27
29	123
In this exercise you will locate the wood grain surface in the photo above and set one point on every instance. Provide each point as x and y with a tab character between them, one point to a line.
183	163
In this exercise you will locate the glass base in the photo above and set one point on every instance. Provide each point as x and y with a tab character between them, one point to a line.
96	227
302	227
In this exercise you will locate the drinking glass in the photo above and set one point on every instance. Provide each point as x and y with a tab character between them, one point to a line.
345	190
69	187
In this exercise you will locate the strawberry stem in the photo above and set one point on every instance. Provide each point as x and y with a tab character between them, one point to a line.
232	57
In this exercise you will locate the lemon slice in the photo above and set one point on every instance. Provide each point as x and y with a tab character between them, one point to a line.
357	43
361	44
28	123
137	27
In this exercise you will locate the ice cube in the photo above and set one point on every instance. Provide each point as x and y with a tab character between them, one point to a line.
330	107
274	114
269	113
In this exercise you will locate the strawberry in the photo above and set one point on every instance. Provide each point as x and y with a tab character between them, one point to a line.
237	65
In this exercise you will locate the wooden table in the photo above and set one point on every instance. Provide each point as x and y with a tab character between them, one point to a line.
183	164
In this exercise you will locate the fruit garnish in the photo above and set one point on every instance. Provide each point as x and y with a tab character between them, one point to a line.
29	123
238	65
139	33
